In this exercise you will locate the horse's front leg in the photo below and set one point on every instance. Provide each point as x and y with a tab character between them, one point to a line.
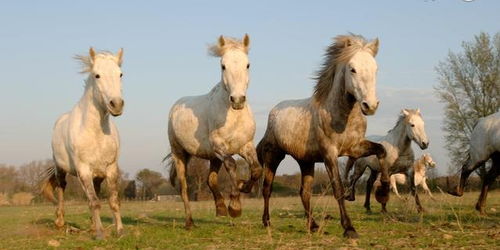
112	180
330	156
221	152
250	155
85	175
220	206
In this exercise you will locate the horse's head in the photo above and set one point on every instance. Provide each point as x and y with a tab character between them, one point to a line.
415	129
105	73
234	68
429	161
360	73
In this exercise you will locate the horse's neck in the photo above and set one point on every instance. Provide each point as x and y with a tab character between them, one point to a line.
219	95
340	104
93	117
398	137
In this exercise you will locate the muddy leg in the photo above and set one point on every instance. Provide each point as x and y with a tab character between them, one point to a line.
348	167
330	155
85	176
307	171
234	203
271	162
220	206
467	169
359	169
490	178
250	155
369	186
180	162
61	185
112	180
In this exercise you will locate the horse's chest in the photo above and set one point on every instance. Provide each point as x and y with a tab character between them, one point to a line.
100	151
235	132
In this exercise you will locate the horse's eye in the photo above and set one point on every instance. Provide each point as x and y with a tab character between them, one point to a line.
223	67
353	70
412	125
248	66
121	74
97	76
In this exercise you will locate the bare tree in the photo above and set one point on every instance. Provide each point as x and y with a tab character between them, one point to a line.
469	86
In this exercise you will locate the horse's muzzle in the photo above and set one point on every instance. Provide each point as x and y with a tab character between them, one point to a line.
368	109
237	103
115	106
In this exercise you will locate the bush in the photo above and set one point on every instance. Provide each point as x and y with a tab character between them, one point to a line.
22	198
4	200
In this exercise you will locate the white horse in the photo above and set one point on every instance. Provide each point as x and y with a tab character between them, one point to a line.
417	175
327	125
397	144
484	144
215	126
85	141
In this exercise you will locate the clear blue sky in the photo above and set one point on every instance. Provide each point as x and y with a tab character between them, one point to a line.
165	58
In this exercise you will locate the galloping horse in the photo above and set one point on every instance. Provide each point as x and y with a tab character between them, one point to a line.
397	144
215	126
85	141
484	144
327	125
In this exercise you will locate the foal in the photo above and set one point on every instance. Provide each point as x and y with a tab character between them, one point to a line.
85	141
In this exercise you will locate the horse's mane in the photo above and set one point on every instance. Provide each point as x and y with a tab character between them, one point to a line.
86	62
229	43
341	50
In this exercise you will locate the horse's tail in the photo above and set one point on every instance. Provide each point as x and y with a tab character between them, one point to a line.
173	170
49	183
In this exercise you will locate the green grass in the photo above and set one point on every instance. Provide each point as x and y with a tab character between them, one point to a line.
449	222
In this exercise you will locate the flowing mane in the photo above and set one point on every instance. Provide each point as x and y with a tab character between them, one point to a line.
340	51
216	50
86	61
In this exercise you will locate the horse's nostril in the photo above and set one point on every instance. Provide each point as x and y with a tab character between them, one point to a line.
112	104
365	106
243	98
231	98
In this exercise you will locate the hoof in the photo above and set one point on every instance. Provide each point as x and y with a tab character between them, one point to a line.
351	234
384	211
99	236
120	232
328	217
59	223
420	210
233	212
189	224
480	209
313	227
221	211
455	192
369	211
266	222
382	193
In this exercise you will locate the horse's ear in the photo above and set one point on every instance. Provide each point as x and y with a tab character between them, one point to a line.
92	54
418	111
119	57
221	41
405	112
373	46
246	42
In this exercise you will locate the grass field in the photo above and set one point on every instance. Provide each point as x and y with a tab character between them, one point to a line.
449	222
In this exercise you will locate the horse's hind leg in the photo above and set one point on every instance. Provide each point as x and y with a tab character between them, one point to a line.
60	176
112	180
307	171
369	185
359	169
348	167
250	155
220	206
490	177
180	162
270	161
86	180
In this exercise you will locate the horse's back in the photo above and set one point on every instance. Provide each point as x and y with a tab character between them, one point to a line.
290	126
485	138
